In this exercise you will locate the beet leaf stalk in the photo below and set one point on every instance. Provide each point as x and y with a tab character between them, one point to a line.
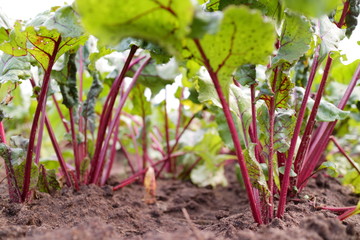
170	164
114	122
234	135
82	129
253	133
342	151
309	164
106	115
145	156
55	145
39	108
270	208
110	163
288	163
325	130
175	144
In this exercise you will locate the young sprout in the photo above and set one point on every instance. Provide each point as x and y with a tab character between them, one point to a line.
150	186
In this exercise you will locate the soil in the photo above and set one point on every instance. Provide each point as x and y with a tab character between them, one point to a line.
220	213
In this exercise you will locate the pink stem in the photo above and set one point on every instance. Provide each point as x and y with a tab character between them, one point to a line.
144	133
112	155
325	129
134	177
170	164
179	113
55	145
39	109
114	121
176	143
338	209
82	145
289	161
347	214
353	164
254	135
309	164
106	115
40	136
75	144
239	153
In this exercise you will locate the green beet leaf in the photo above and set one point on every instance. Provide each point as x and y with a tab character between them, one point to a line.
223	128
294	40
19	171
206	90
16	43
213	5
13	68
236	43
6	153
331	168
19	142
330	36
209	171
47	181
88	110
140	105
205	23
42	35
246	75
327	111
64	20
283	129
66	79
157	53
16	158
311	8
343	73
3	35
103	51
284	126
202	176
239	104
156	77
271	8
4	26
256	174
352	178
351	19
163	22
282	91
50	163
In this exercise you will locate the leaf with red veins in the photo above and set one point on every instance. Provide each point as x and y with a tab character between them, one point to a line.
281	93
236	43
295	39
283	129
40	39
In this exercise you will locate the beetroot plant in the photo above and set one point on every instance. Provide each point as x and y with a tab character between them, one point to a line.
256	71
271	120
89	116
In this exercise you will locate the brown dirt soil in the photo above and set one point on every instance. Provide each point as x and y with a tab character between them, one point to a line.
221	213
